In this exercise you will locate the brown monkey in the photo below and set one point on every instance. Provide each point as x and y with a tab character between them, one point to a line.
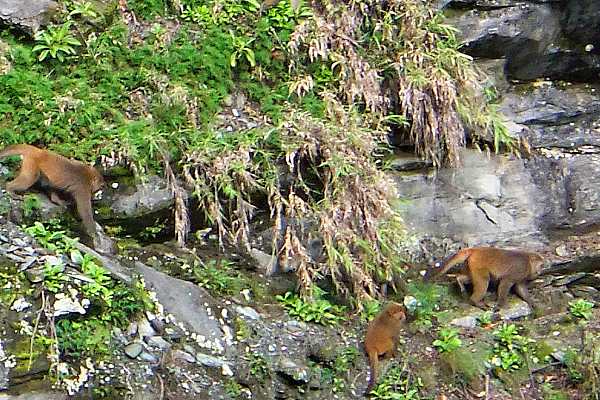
58	174
382	336
482	264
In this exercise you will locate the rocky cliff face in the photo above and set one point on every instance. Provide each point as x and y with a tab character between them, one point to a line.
542	58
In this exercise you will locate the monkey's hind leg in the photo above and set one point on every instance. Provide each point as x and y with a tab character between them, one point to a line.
28	175
522	292
503	289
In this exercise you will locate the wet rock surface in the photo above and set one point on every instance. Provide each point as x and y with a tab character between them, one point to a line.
27	15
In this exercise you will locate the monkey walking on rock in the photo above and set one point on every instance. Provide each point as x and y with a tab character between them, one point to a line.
510	268
57	174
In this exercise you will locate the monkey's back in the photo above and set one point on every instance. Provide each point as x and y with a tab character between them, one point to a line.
382	333
504	262
62	171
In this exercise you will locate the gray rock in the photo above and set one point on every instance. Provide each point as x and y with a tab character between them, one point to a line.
266	262
209	361
35	396
148	357
132	328
580	16
67	305
189	349
514	309
158	341
184	300
183	356
565	65
149	197
133	349
489	200
468	321
247	312
144	329
35	275
27	15
497	33
297	372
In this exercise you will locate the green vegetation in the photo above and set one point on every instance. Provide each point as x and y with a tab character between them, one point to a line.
398	384
511	350
219	276
448	340
31	205
429	298
485	318
370	309
259	368
148	99
104	303
581	308
233	389
56	42
318	310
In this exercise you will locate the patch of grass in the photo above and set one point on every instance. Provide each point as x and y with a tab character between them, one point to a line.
318	310
258	366
428	298
485	319
370	309
219	276
397	384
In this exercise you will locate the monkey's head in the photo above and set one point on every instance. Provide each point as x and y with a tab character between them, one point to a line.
396	311
537	265
96	180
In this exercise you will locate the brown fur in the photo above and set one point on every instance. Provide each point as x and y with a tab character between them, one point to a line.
57	173
382	336
482	264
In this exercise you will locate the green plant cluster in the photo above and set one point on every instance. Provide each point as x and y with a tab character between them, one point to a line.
148	95
220	277
581	308
111	303
318	310
512	350
448	340
398	384
258	366
429	299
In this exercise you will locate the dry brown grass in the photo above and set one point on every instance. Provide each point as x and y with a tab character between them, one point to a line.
398	57
321	182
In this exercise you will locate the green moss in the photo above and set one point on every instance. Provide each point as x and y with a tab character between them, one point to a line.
469	362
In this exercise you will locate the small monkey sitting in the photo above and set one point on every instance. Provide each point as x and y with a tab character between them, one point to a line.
57	174
382	337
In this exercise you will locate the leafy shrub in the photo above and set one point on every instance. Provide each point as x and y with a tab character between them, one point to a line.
319	310
581	308
56	42
448	340
512	350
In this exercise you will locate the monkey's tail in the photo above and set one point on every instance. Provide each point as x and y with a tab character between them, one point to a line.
449	262
14	150
373	363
